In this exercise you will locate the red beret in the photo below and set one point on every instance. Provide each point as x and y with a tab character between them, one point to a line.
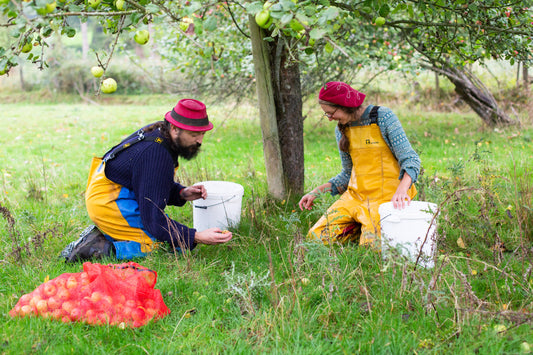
341	94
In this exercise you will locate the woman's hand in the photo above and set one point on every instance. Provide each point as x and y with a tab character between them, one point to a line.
307	201
212	236
401	199
194	192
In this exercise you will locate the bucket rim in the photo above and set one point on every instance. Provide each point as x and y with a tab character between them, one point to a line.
232	188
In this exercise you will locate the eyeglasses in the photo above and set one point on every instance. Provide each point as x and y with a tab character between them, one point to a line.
329	115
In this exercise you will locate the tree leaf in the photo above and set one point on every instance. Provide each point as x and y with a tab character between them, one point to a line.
287	5
286	18
331	13
254	7
210	24
152	8
317	33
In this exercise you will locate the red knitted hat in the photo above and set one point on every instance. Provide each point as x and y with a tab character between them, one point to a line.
341	94
191	115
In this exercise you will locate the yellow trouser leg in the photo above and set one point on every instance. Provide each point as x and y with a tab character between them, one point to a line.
347	212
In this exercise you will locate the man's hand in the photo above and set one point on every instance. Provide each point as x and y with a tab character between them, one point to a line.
212	236
194	192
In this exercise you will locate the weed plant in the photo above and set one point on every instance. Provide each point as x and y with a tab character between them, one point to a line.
270	290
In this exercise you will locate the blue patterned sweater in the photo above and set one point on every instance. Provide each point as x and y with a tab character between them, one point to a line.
147	168
395	137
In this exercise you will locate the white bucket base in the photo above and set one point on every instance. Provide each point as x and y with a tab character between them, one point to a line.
410	231
221	208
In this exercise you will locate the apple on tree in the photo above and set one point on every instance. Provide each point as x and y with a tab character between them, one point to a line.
296	25
94	3
380	21
263	19
119	4
142	37
48	8
109	86
97	71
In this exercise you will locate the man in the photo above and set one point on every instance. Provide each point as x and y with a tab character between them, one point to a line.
129	188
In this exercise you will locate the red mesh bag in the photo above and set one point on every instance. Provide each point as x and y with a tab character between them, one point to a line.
116	294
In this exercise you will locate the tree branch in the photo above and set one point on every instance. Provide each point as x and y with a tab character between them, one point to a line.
234	20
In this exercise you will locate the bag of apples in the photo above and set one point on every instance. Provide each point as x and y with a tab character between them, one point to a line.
115	294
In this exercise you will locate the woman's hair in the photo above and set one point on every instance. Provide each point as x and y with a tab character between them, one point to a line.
344	144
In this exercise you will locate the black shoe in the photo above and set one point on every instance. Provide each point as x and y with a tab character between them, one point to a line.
92	244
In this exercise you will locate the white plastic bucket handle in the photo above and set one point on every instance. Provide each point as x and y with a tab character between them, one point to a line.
215	204
395	218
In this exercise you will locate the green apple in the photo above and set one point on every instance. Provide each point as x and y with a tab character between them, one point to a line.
26	47
94	3
263	19
142	37
119	4
50	7
525	348
3	2
296	25
97	71
108	86
305	281
380	21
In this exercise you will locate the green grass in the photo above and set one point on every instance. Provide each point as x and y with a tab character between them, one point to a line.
355	302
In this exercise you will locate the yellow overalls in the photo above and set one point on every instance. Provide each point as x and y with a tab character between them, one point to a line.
114	208
115	214
374	180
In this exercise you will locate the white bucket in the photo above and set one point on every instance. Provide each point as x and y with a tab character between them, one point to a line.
411	231
221	208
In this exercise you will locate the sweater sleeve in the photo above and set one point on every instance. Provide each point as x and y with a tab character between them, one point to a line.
175	198
395	137
153	184
339	183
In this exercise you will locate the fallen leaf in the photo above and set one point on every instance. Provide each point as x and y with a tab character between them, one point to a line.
461	243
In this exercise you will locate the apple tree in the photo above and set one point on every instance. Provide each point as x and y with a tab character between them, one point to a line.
278	39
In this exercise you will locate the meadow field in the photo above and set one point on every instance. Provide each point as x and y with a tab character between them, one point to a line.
269	290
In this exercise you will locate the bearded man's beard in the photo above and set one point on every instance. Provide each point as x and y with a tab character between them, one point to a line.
186	152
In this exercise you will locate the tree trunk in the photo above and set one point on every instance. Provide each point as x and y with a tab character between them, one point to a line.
517	74
280	109
84	41
285	75
475	94
525	76
437	84
267	112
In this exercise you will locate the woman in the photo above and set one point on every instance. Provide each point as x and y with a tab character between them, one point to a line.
378	165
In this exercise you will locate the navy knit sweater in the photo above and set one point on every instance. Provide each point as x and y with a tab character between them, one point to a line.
147	168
